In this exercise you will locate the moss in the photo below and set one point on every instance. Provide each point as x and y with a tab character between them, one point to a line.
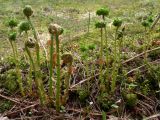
131	100
23	64
117	22
83	48
102	11
153	76
12	36
105	101
145	24
83	95
10	83
24	26
12	23
28	11
145	87
100	24
154	55
150	19
91	47
5	105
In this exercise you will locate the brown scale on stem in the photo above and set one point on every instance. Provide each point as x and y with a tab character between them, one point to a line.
54	53
67	61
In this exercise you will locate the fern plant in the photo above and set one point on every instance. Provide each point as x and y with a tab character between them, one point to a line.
57	30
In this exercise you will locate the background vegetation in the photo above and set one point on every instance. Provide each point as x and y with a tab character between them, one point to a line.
130	76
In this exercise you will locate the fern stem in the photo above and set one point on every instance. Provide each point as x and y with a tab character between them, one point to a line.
58	83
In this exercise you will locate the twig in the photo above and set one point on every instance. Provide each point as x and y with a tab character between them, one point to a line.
10	99
145	108
82	81
148	106
82	111
90	113
153	62
135	69
3	69
15	112
156	21
151	117
15	100
126	61
31	118
145	97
